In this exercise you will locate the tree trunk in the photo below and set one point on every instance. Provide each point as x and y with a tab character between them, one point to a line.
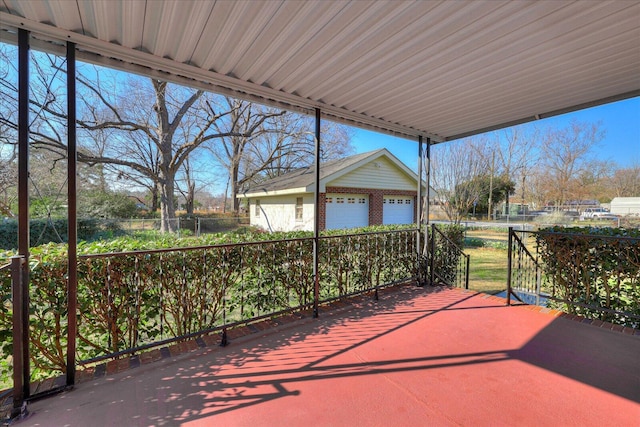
190	198
168	221
235	189
155	199
506	204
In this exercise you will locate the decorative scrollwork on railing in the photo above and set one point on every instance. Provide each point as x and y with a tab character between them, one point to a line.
594	273
448	264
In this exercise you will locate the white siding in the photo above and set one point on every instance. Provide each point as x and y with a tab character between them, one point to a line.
625	206
379	174
278	213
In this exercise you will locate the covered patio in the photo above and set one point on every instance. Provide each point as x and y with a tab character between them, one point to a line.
417	356
431	72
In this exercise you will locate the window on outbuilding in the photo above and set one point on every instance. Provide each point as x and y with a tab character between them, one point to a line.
299	208
257	209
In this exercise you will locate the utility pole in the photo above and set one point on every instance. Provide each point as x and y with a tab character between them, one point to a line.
522	205
493	159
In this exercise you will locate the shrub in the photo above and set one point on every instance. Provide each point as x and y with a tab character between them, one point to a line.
594	272
43	231
474	242
449	240
132	298
554	218
100	204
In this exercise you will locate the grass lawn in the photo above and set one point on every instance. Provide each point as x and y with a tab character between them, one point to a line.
487	269
489	234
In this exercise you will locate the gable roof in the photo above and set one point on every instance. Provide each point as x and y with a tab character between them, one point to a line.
302	180
439	69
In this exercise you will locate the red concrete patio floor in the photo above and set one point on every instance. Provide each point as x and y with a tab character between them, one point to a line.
416	357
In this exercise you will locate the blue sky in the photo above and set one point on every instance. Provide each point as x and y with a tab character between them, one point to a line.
620	121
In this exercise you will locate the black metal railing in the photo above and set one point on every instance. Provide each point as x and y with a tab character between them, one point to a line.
524	273
448	264
132	301
594	276
138	300
12	277
355	263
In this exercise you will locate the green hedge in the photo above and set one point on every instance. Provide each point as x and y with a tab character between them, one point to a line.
130	299
594	272
42	231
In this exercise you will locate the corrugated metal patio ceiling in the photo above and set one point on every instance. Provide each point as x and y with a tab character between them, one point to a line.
439	69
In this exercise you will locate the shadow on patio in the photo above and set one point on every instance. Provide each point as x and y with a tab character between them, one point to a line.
416	357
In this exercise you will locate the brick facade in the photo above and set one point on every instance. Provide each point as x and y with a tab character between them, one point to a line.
376	197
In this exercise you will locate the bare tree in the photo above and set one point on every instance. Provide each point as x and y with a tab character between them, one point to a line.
242	127
8	178
455	169
625	182
515	151
514	156
186	186
280	142
294	144
591	181
151	127
8	152
565	154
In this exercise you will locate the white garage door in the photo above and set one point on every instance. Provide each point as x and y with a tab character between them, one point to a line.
397	210
347	211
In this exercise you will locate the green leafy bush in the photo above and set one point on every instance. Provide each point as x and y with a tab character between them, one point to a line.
593	272
474	242
100	204
137	290
46	206
447	241
42	231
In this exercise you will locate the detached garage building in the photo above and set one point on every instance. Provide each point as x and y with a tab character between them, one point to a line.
371	188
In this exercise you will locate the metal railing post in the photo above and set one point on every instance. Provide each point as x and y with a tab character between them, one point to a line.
72	216
224	339
509	254
432	255
466	278
316	216
23	198
538	278
20	383
419	215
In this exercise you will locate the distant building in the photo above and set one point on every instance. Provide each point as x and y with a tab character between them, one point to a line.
576	206
625	206
365	189
580	205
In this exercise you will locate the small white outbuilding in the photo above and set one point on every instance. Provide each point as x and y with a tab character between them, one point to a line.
625	206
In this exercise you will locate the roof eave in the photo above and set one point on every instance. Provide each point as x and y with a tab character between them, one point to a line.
267	193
